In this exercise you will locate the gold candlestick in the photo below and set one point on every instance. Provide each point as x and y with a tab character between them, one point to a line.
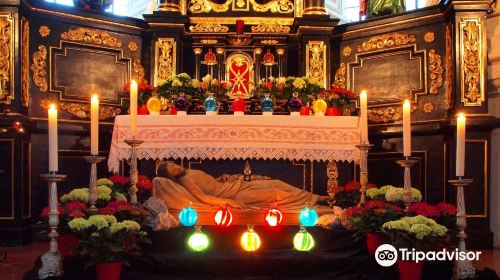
134	173
51	260
363	170
93	160
407	163
463	269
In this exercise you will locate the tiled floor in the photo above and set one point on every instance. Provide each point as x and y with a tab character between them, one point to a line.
21	259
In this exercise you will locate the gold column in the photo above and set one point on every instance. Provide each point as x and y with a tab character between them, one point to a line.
170	6
197	54
256	53
314	7
220	56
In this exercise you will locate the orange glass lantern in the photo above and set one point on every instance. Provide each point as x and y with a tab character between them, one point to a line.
250	240
274	217
223	217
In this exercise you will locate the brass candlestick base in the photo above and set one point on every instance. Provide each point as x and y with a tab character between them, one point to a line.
463	269
407	163
363	170
51	260
93	160
134	173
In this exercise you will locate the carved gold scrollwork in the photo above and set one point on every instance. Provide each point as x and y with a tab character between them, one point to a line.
82	111
436	72
386	41
25	63
132	46
428	107
91	36
6	58
44	31
137	70
387	114
340	78
208	41
205	6
346	51
271	28
269	42
332	172
472	61
449	67
209	27
165	52
429	37
316	61
39	68
274	6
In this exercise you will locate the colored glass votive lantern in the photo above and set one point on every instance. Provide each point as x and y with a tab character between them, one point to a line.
188	216
303	240
223	217
308	217
198	241
274	217
154	106
250	240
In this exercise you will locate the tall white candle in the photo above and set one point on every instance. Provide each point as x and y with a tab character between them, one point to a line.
363	102
133	109
53	147
94	125
407	128
460	166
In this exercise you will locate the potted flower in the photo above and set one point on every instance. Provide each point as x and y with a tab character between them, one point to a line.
104	242
349	194
302	89
338	100
184	91
123	211
419	233
144	92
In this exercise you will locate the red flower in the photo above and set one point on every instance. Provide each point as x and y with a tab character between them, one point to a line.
215	82
203	85
371	186
75	205
424	209
120	205
268	85
116	179
352	185
353	211
380	205
224	84
107	211
447	209
143	182
45	211
77	213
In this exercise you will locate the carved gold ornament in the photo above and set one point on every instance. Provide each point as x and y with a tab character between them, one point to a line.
6	58
387	114
208	41
340	78
44	31
132	46
429	37
316	61
386	41
82	111
209	27
25	63
332	172
205	6
471	46
273	6
346	51
91	36
165	64
137	70
449	67
271	28
38	67
436	71
269	42
428	107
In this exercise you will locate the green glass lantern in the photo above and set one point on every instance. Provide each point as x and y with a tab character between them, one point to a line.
198	241
303	240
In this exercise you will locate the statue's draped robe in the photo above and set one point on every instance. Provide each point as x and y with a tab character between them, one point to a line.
256	194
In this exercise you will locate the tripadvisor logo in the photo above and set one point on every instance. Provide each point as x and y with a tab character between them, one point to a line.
387	255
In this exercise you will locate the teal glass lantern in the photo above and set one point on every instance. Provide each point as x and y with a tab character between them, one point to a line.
198	241
188	216
303	240
308	217
210	104
267	104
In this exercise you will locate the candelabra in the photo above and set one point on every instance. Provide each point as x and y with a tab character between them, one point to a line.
463	269
134	173
93	160
363	170
407	163
51	260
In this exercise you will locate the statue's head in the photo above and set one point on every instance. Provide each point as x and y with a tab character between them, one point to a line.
170	170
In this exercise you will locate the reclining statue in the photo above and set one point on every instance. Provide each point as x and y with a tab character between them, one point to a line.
178	186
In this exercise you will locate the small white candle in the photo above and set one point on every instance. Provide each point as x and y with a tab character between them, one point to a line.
363	101
133	109
94	125
407	128
460	166
53	147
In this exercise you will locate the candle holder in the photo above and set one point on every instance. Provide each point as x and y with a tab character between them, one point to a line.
51	260
134	173
363	170
407	163
463	269
93	160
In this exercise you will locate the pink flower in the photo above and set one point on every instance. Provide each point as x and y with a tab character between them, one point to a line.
447	209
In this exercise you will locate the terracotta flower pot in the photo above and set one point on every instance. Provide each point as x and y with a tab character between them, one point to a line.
142	110
67	244
410	270
333	111
109	271
373	240
305	111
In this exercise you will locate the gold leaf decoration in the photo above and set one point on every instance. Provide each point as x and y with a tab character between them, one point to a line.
274	6
271	28
6	58
429	37
137	70
346	51
332	172
436	70
472	61
387	114
316	61
82	111
165	52
269	42
132	46
340	78
208	41
44	31
205	6
428	107
449	67
386	41
39	68
91	36
25	63
209	27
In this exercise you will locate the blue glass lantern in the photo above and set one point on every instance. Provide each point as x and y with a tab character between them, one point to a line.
267	104
308	217
210	104
188	216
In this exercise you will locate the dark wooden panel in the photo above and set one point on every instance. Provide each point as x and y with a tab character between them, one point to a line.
7	179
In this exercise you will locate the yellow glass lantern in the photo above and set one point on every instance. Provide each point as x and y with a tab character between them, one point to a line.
154	105
250	240
320	106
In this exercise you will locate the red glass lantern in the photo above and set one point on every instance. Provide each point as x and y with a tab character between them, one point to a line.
239	105
268	58
305	111
223	217
210	58
274	217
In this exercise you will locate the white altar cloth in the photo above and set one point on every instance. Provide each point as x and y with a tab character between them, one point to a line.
238	137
